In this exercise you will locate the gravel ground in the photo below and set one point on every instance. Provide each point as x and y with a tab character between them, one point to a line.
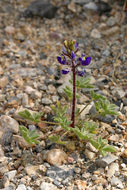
30	40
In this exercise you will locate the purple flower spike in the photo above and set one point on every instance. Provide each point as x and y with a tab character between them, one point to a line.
61	60
65	71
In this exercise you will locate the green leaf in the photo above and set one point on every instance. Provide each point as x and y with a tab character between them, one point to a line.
82	134
91	127
94	143
104	108
56	139
25	114
29	136
35	117
83	83
109	148
96	96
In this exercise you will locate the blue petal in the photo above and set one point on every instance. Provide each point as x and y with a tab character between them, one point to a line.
76	45
59	59
80	59
87	60
83	54
73	55
81	73
64	50
65	71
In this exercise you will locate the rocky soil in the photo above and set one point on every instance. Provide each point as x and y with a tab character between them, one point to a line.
31	37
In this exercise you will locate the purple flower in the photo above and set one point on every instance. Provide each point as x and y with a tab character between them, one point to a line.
76	46
84	60
61	60
73	55
65	71
64	50
81	73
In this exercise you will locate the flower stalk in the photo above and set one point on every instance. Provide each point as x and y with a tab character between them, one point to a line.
74	96
74	64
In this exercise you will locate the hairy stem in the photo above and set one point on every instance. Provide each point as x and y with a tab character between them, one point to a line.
74	96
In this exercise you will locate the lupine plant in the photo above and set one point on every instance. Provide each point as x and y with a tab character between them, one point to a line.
72	124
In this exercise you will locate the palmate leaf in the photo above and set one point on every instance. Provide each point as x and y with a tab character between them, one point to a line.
61	117
82	134
29	136
96	96
69	93
104	108
35	117
91	127
82	82
25	114
102	146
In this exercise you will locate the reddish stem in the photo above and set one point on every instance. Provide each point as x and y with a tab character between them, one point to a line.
74	96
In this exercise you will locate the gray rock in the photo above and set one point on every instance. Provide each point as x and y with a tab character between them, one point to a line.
46	101
111	21
10	187
47	186
116	182
105	161
81	2
11	174
8	123
40	9
106	53
119	93
25	99
65	82
57	172
125	101
57	183
7	138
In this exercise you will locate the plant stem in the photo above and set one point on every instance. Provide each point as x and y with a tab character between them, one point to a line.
74	96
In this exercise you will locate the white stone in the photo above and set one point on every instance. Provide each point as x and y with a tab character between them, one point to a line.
89	154
116	182
95	34
114	167
90	6
56	157
31	169
47	186
21	187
